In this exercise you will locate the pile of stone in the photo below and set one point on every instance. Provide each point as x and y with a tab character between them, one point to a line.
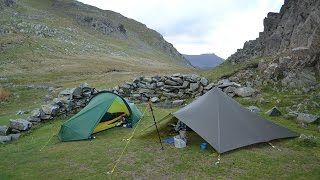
68	101
170	90
176	87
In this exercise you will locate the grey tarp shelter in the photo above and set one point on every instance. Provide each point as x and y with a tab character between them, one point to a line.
226	125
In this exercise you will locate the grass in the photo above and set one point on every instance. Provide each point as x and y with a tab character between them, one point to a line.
39	154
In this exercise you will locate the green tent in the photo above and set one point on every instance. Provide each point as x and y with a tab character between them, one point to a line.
104	111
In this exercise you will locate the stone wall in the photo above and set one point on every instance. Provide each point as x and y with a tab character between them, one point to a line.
171	90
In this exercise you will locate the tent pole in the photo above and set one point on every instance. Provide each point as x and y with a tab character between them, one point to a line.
155	123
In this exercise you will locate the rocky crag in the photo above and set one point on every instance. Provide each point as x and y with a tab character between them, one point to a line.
288	48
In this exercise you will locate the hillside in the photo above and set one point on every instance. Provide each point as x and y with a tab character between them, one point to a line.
55	41
204	61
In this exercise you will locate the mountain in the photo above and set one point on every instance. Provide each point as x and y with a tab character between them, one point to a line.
204	61
58	40
287	51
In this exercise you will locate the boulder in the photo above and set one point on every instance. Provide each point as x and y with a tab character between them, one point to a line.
244	91
185	84
273	112
160	84
67	91
20	124
193	86
170	95
230	91
177	79
193	78
50	109
154	99
300	78
254	109
308	118
148	80
204	81
5	139
77	93
226	83
152	86
125	86
141	85
273	72
209	86
176	75
172	83
146	91
177	102
4	130
15	136
35	113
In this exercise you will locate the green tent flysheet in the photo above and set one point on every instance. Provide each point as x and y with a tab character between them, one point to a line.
104	111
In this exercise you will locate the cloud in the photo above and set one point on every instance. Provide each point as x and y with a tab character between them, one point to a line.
202	26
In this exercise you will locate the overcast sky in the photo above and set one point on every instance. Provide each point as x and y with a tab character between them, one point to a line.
198	26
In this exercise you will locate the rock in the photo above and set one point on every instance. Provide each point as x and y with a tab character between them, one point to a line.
15	131
193	86
193	78
77	93
35	113
185	84
155	100
230	91
273	72
293	114
308	140
273	112
226	83
20	112
146	91
176	75
148	80
254	109
125	86
5	139
244	91
152	86
20	124
170	95
302	78
67	91
160	84
209	86
4	130
34	119
204	81
177	79
141	85
15	136
50	109
308	118
177	102
172	83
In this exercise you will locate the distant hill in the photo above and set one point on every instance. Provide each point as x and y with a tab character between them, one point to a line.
54	40
204	61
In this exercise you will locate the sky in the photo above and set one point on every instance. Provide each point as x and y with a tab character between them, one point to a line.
198	26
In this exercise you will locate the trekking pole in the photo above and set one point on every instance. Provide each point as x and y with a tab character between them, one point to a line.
155	123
